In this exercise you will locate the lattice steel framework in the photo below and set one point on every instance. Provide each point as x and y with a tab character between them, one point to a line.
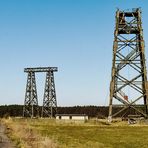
31	102
49	108
31	108
128	88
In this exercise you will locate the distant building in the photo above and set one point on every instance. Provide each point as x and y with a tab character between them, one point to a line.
79	117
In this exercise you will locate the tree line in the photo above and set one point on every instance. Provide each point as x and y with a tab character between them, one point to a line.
91	111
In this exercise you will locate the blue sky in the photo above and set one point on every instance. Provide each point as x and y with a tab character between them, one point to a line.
74	35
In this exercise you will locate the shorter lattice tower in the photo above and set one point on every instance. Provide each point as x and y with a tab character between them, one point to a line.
49	108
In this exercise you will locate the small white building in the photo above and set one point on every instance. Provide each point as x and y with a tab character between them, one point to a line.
79	117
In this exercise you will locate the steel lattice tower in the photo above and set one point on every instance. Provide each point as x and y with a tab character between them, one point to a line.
49	108
128	88
31	102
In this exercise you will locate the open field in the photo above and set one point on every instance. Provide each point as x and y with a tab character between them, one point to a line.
95	134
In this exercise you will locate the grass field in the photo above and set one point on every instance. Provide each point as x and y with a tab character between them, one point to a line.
80	135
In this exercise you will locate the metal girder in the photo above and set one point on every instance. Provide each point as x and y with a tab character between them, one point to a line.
128	53
41	69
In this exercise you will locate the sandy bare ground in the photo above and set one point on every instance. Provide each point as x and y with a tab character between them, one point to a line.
4	140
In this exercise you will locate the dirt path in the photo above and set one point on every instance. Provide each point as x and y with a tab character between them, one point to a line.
4	140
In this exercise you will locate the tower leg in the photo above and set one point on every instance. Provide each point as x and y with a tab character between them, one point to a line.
49	108
31	102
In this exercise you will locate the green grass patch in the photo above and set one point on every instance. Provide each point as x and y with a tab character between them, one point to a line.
95	135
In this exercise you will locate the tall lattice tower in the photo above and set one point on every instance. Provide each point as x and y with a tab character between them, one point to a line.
128	87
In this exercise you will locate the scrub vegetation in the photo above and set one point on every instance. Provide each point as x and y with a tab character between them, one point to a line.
48	133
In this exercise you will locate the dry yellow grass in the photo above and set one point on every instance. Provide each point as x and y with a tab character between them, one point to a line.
25	137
